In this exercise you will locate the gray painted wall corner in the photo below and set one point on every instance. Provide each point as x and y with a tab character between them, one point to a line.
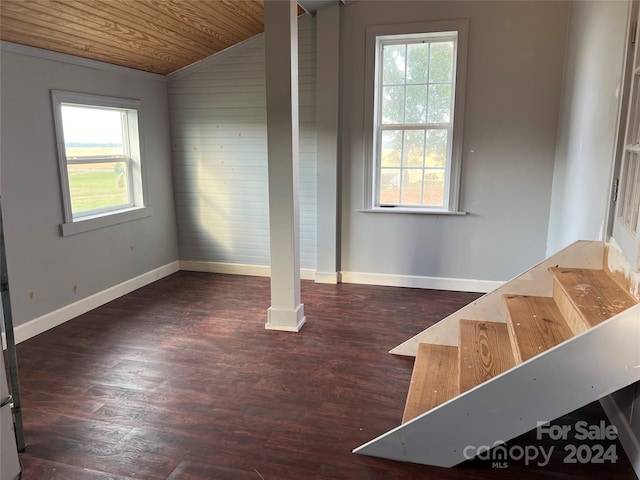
47	271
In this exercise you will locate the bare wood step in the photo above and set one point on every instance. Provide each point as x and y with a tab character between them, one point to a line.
588	297
485	351
434	379
535	324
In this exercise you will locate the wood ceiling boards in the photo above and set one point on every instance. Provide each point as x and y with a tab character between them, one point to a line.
159	36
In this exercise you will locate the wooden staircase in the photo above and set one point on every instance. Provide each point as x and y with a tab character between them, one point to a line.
553	355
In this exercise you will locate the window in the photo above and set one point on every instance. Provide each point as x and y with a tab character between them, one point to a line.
101	162
629	204
625	227
417	96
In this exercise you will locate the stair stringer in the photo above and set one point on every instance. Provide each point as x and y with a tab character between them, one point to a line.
560	380
536	281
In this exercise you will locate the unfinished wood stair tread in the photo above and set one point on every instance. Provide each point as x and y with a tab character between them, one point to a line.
434	379
485	351
587	297
535	324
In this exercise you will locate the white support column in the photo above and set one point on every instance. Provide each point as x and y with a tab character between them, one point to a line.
327	77
281	56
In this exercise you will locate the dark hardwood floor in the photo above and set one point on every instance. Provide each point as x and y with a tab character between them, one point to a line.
180	380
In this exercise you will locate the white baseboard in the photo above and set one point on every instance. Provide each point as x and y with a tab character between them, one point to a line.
413	281
627	437
328	277
237	269
64	314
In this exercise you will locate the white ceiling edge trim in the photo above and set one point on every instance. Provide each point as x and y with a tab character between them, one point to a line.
194	67
79	61
200	64
312	6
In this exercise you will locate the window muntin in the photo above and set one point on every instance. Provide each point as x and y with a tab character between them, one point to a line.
416	80
100	155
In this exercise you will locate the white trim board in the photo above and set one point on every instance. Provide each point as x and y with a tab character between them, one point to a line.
237	269
414	281
79	61
57	317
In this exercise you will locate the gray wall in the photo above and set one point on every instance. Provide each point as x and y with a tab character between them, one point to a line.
515	60
219	144
48	271
587	132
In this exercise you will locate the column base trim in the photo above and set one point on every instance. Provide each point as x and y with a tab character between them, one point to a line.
285	320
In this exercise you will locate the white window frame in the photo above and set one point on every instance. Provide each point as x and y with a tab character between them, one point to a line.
375	36
138	206
623	215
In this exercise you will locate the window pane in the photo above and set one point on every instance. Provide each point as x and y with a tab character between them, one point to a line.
389	186
441	65
634	117
417	62
433	195
392	105
411	186
394	64
436	148
413	148
391	150
626	193
439	104
416	108
91	132
98	186
630	193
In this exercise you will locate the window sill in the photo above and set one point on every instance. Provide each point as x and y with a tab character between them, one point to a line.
105	220
416	211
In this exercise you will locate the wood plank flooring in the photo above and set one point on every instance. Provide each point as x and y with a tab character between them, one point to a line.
180	380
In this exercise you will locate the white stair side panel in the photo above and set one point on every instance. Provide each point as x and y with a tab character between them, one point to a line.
572	374
536	281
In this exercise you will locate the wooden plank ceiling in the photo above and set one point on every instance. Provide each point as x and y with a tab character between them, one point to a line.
159	36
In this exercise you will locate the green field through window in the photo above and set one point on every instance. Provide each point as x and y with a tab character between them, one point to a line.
97	186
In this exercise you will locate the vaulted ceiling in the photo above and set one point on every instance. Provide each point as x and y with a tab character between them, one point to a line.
159	36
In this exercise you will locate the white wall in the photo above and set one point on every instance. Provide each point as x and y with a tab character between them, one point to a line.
587	131
47	271
515	60
219	143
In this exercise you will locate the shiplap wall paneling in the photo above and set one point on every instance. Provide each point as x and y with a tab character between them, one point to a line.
219	143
